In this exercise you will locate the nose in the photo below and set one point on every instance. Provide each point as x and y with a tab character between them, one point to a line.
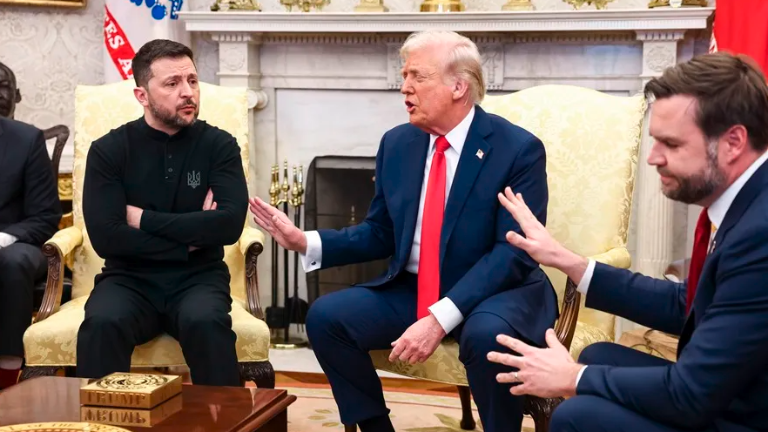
655	155
185	89
406	87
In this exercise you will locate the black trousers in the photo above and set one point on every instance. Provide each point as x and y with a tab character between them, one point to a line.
129	309
21	266
594	414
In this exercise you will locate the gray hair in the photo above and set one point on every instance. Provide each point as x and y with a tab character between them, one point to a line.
463	60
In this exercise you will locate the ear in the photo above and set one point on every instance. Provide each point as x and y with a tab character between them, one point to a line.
735	142
460	89
17	98
141	95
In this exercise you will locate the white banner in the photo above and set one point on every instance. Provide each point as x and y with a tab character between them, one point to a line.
129	24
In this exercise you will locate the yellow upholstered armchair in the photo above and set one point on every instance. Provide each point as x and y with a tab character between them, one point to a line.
50	342
592	141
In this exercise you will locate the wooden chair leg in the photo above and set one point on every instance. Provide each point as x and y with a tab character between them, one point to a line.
261	373
541	411
467	420
38	371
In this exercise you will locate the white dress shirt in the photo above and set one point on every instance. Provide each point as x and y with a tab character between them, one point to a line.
445	311
716	213
6	240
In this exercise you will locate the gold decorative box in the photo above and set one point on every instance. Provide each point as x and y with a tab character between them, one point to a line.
130	390
129	416
61	427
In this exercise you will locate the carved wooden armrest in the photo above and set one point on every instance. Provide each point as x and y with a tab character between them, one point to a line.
251	245
566	325
56	250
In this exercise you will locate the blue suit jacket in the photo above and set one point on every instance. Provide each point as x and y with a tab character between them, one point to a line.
476	261
721	376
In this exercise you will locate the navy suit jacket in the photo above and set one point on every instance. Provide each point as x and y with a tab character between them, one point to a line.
476	261
29	197
721	376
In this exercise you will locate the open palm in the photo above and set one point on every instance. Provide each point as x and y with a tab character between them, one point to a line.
538	243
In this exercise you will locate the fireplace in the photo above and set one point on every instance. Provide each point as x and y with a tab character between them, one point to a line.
339	190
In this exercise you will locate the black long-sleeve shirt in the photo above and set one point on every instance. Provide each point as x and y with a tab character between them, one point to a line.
30	209
168	177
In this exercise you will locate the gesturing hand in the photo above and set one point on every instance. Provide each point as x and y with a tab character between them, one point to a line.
538	243
544	372
277	224
419	341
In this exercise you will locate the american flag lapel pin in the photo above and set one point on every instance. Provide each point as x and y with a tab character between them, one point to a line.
480	154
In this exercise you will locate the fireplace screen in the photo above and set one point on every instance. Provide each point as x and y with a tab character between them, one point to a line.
339	191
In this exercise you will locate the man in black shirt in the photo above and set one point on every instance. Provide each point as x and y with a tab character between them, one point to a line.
162	196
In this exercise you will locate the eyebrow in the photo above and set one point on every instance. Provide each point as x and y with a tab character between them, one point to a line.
178	76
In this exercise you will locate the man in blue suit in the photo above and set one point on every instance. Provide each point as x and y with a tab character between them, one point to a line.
435	213
710	125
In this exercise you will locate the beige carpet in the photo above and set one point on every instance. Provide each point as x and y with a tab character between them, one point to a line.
316	411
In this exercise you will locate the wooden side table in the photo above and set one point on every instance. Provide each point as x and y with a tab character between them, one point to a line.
652	342
203	408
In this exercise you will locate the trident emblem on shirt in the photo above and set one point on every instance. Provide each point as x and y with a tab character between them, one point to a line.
193	179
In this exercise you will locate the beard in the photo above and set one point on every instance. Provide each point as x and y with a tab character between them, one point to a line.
694	188
172	118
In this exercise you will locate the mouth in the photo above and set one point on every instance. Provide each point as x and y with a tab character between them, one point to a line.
409	106
188	109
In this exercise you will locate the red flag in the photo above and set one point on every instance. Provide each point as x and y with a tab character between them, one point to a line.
741	27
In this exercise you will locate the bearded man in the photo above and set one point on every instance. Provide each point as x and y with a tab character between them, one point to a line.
162	196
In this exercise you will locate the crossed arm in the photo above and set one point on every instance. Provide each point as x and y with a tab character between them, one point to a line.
222	217
120	231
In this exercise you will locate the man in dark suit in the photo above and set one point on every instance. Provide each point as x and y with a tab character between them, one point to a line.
435	213
9	93
29	215
710	125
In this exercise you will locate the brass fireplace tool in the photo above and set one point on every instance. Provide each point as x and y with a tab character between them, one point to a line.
294	309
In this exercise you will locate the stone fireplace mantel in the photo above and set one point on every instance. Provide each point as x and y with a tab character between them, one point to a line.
407	22
326	84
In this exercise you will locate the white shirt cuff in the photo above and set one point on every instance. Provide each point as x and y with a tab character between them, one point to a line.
578	377
6	239
583	286
447	314
312	259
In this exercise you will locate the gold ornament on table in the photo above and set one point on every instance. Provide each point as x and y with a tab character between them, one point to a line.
518	5
599	4
305	5
442	6
677	3
236	5
371	6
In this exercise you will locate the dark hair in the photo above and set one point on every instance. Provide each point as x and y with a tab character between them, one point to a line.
729	90
155	50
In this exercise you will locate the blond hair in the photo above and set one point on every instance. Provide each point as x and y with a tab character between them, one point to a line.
463	61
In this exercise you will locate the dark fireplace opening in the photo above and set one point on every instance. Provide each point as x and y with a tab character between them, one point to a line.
339	190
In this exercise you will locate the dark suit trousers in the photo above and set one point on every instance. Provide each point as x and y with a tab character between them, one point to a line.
343	326
21	265
586	413
125	310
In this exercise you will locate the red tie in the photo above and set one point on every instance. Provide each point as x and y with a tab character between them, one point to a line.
700	245
431	224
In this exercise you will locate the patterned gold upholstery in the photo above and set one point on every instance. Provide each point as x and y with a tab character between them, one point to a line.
98	109
592	141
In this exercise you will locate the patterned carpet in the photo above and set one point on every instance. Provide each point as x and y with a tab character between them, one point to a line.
316	411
